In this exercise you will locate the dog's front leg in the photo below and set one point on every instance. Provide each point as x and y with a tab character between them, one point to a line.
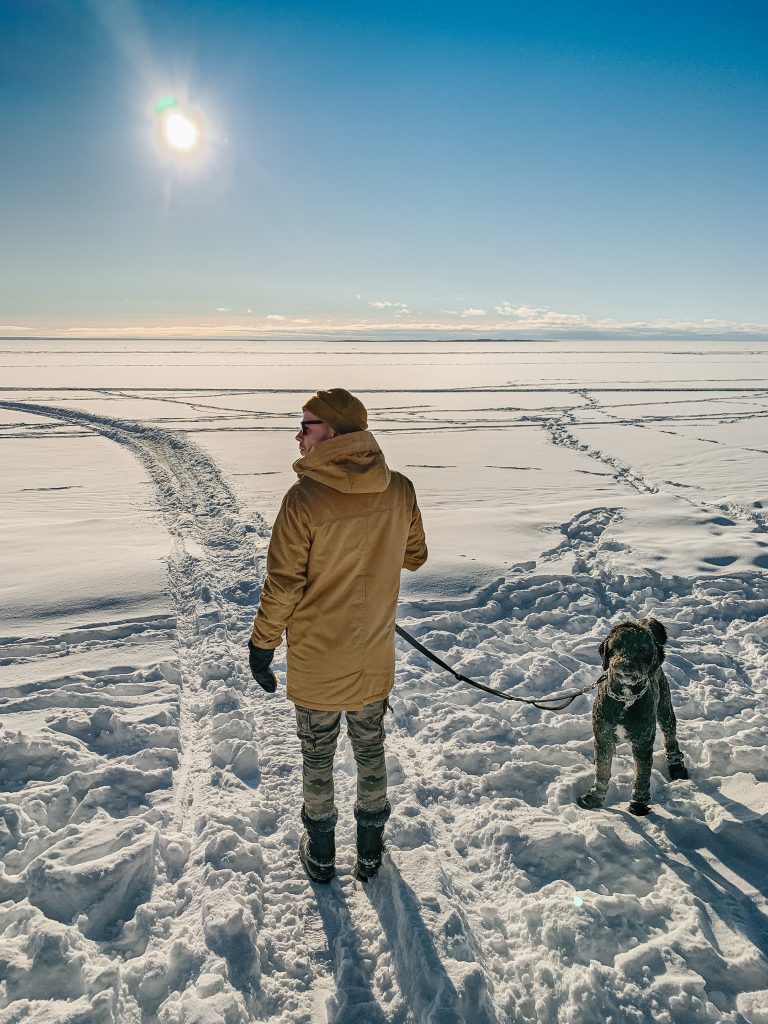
605	744
642	751
668	723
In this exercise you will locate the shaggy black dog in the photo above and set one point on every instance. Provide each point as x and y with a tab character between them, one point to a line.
634	693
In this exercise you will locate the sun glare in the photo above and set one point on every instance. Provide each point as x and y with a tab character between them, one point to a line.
179	130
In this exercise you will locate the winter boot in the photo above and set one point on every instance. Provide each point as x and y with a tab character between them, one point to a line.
639	808
676	766
370	844
593	799
317	848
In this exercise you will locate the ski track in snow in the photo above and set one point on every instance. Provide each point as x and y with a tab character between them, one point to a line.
173	794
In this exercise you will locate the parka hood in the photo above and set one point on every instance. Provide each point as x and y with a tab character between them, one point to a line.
352	463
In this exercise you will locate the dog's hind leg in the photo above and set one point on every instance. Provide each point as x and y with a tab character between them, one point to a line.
642	751
605	744
668	724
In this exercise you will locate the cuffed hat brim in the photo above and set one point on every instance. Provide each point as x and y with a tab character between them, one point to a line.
339	409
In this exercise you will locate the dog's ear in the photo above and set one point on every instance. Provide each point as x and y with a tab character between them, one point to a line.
659	634
603	651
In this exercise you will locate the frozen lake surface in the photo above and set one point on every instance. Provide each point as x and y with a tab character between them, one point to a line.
149	808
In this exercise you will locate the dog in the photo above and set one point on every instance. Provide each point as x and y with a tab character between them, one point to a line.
633	693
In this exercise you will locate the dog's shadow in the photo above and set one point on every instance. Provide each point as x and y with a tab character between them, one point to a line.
738	846
737	810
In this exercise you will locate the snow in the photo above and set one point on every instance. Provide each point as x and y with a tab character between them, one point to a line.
150	794
79	531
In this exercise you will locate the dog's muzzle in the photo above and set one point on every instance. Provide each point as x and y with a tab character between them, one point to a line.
629	685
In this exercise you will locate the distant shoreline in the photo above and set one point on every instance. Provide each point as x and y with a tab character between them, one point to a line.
324	339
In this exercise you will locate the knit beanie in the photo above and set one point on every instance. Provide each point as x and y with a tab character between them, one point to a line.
341	411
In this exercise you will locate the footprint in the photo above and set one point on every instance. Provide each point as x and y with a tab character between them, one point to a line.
720	559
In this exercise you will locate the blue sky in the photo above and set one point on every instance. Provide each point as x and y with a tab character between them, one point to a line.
477	169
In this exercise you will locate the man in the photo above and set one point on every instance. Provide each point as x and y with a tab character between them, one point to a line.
341	537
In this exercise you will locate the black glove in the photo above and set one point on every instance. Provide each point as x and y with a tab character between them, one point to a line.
259	660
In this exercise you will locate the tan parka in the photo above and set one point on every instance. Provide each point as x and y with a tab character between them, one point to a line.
341	537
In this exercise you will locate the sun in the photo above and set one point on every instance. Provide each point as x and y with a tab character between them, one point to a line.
179	130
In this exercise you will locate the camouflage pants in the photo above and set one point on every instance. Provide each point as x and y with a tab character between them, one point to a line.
318	732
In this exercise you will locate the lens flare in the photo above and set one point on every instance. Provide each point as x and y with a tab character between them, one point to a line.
164	103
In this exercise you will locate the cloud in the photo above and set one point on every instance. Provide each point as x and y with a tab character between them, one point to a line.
543	318
540	315
381	304
542	321
401	308
507	309
505	321
223	309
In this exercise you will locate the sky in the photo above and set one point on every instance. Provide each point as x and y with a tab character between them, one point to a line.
408	169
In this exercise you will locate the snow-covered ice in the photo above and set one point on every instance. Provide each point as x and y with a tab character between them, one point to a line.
149	797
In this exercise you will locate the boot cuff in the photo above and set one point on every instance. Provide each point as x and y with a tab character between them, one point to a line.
373	819
326	824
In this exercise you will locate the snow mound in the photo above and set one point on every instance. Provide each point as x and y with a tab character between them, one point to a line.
98	876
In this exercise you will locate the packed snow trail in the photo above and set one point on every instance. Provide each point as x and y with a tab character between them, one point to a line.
213	586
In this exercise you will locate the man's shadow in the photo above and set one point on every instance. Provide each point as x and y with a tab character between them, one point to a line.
427	990
355	1000
421	976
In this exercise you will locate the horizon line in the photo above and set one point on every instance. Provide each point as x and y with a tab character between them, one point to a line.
587	336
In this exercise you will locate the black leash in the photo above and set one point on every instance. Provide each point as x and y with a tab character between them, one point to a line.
543	703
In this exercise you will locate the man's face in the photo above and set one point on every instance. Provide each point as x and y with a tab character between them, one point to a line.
316	431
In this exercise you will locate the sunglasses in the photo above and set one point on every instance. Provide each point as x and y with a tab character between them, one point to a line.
307	423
